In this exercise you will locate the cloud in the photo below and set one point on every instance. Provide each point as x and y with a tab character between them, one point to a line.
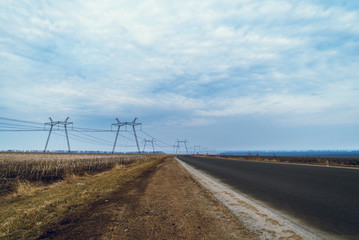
212	58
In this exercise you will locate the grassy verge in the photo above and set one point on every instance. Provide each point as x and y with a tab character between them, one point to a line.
32	211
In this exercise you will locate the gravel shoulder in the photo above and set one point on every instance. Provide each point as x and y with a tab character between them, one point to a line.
163	203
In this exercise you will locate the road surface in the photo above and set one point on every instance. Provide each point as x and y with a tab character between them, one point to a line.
326	198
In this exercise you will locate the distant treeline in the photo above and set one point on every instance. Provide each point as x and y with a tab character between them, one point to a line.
311	153
321	159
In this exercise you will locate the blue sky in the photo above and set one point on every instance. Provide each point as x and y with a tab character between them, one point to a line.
226	75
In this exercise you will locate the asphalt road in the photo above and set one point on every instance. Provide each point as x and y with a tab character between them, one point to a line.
326	198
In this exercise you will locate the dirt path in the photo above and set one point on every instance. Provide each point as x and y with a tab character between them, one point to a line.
164	203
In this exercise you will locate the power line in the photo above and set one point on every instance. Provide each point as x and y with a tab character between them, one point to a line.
21	130
15	125
88	135
16	120
72	136
81	134
88	139
158	140
92	130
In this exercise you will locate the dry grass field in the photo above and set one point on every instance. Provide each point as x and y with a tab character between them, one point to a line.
20	168
38	191
327	161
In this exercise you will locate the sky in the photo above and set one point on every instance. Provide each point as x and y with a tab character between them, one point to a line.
223	75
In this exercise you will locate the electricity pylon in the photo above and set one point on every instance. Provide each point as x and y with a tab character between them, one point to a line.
119	124
178	145
195	148
58	123
149	141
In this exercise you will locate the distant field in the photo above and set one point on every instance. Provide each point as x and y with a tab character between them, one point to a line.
342	160
336	154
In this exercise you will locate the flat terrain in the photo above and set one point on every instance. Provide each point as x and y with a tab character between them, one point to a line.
322	197
162	203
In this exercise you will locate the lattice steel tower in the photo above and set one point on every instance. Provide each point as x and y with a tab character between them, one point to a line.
120	124
58	123
178	145
149	141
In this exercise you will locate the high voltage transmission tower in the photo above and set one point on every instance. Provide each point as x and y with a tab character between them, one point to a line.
58	123
149	141
195	148
178	145
120	124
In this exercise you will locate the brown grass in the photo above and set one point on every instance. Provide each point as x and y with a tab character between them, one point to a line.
327	161
35	208
49	167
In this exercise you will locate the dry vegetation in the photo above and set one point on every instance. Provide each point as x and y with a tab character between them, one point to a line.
39	201
17	168
327	161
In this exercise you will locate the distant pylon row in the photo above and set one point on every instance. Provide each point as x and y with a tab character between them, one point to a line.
118	124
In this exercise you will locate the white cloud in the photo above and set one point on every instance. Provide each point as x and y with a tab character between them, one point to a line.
209	58
326	107
223	32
